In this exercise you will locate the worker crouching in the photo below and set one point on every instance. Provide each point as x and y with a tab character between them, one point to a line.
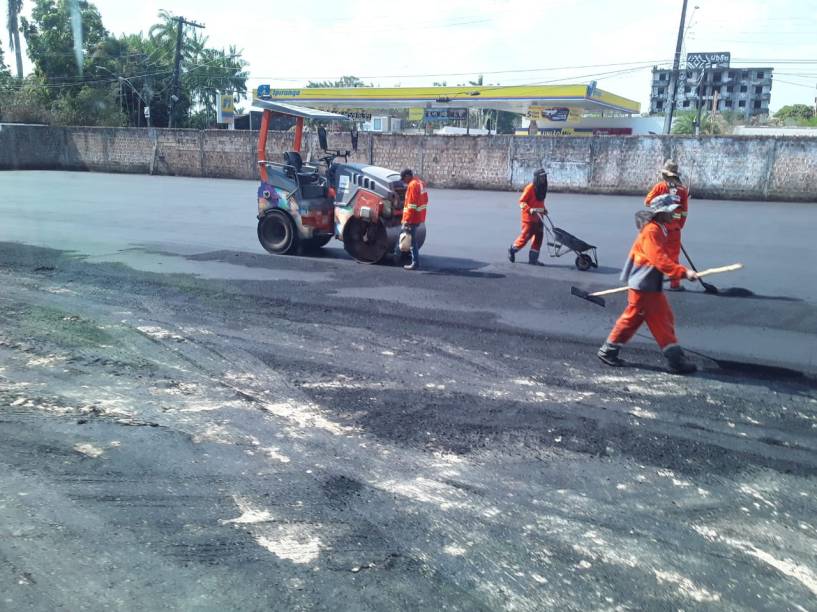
532	204
650	259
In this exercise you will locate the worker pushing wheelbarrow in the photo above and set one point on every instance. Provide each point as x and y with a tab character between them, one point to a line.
536	222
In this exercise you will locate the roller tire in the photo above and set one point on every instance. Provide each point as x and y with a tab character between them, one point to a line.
277	233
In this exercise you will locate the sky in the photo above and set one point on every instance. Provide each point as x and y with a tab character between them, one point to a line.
510	42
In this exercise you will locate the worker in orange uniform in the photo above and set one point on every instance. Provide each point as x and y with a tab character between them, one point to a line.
532	204
671	184
414	212
650	259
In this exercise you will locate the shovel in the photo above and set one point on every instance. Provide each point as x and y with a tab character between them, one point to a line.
596	296
713	290
708	288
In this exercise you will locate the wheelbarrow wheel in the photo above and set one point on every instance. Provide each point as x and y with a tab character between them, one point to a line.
584	262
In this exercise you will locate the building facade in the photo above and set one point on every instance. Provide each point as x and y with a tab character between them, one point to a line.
744	90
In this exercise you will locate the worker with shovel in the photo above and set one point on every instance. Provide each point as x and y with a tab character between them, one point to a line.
532	204
671	184
651	257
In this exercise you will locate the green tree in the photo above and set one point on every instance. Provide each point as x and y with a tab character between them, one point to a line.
50	39
164	32
25	101
89	106
205	72
13	8
216	71
120	75
344	81
5	75
711	124
506	123
796	113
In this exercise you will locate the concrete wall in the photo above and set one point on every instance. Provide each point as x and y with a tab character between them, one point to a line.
729	167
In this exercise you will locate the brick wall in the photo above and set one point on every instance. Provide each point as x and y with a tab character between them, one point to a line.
729	167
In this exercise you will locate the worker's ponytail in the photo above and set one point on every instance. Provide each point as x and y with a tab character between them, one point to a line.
540	184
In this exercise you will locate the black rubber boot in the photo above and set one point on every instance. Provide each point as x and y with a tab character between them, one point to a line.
533	258
608	353
512	255
677	362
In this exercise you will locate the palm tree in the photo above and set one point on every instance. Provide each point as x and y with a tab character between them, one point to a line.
711	124
164	33
13	9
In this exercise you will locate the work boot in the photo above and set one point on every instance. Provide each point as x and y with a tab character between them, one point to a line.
512	255
674	287
677	362
533	258
412	266
608	353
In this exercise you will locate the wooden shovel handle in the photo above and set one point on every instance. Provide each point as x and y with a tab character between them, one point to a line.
710	271
722	269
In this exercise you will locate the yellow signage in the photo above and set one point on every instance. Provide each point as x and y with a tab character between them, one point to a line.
226	108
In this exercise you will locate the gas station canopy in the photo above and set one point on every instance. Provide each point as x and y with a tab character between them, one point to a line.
516	99
297	111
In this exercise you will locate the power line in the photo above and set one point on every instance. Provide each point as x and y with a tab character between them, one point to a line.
470	73
812	86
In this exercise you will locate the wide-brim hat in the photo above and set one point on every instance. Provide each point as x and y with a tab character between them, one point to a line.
666	203
670	169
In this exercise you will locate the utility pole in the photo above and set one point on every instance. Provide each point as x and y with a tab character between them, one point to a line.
174	90
676	62
701	91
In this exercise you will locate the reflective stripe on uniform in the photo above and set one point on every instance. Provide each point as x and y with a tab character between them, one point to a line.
416	206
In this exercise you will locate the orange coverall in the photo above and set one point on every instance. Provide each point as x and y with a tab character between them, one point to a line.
679	219
650	259
416	203
532	225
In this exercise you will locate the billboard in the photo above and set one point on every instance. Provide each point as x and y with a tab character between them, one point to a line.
548	114
582	132
445	114
696	61
226	108
355	114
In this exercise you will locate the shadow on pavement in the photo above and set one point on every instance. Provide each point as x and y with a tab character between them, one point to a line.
431	265
740	293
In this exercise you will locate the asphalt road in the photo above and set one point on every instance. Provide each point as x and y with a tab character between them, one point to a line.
189	423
